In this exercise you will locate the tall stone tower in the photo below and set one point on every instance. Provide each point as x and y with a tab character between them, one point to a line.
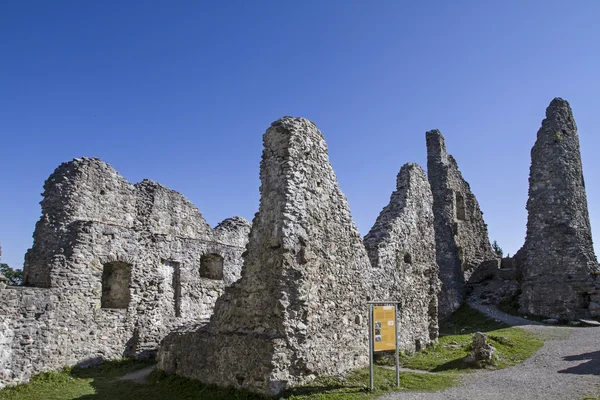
461	235
557	258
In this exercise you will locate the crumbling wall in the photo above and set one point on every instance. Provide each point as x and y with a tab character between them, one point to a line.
557	261
24	329
119	265
461	234
299	309
401	247
81	190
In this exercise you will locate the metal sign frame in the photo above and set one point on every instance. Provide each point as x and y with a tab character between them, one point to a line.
372	339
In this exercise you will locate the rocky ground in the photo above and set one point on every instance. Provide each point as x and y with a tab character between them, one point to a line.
567	367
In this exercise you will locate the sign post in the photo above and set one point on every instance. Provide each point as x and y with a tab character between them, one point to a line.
383	333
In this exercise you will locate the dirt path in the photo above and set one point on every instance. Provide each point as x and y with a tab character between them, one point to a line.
138	376
566	368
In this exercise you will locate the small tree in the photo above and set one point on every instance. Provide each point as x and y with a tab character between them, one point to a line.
497	249
14	276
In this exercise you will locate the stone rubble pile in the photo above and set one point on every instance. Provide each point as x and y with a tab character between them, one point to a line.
482	353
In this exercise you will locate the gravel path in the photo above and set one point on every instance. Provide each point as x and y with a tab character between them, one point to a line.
566	368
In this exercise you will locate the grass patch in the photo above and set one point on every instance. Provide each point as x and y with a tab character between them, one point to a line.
100	382
445	360
50	386
355	386
77	383
513	345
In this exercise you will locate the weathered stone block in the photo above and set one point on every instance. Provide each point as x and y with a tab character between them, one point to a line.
486	270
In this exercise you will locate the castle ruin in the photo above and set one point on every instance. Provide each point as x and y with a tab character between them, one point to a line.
118	269
114	267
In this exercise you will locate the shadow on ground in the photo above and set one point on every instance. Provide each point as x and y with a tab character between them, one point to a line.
590	367
108	386
466	320
157	385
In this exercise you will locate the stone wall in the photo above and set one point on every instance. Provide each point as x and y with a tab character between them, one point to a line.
461	234
299	309
401	247
114	267
24	329
557	261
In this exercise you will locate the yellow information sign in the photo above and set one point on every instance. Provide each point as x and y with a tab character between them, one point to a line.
384	328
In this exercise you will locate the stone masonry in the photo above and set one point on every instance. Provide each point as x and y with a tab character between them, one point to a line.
401	247
114	267
461	235
3	279
299	309
557	261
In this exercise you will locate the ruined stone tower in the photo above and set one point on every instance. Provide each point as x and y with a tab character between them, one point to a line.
299	308
461	235
557	258
401	247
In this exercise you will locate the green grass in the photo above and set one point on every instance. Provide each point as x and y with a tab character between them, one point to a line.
78	383
50	386
355	385
444	359
100	383
513	345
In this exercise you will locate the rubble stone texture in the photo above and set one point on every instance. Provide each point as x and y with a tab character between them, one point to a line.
114	267
401	247
482	353
557	260
299	309
3	279
461	235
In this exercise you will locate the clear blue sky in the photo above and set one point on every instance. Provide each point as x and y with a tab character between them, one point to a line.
181	93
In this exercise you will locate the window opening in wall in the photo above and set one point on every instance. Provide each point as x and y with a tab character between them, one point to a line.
461	213
418	346
407	258
172	282
211	266
116	276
